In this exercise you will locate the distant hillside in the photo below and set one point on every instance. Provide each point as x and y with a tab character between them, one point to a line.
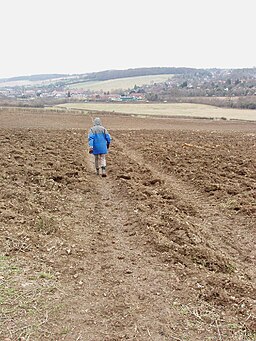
137	72
33	78
120	83
106	75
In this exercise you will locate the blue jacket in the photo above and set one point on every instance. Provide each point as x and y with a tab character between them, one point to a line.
99	138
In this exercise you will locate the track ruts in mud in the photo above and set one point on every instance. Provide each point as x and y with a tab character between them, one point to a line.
199	211
140	255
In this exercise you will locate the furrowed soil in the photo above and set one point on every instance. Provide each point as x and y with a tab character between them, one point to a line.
161	249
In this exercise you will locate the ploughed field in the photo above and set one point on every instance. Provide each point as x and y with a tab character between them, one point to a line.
162	249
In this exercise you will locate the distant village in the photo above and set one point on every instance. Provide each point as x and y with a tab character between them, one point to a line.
212	84
31	93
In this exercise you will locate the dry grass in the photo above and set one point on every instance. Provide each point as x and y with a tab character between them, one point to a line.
24	297
121	83
167	109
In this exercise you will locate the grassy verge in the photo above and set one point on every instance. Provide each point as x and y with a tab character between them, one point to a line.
24	300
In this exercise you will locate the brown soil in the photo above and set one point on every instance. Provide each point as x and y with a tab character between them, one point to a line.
161	249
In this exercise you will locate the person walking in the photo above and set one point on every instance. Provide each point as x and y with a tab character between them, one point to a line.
99	141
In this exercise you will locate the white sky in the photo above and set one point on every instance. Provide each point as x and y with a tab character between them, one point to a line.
79	36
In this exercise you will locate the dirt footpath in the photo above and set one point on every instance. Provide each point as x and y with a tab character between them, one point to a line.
161	249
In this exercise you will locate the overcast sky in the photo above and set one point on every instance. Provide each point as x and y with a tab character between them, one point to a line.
79	36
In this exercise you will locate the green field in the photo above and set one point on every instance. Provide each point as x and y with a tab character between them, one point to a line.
166	109
121	83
